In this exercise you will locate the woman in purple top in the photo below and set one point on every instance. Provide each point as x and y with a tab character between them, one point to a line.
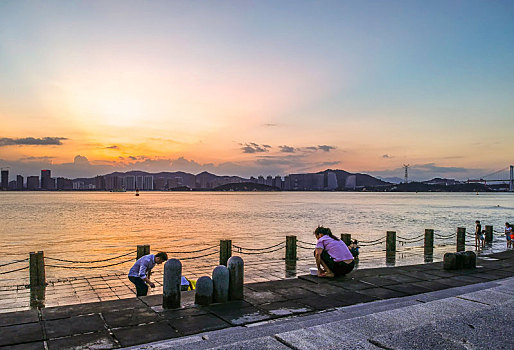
333	257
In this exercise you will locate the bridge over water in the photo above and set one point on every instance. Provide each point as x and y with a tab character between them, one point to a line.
505	175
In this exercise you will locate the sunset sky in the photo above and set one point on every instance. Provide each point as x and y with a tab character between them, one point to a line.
257	87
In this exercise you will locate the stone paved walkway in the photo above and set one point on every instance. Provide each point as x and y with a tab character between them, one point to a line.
133	321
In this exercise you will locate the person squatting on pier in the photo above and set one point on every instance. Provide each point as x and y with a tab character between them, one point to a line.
333	258
139	274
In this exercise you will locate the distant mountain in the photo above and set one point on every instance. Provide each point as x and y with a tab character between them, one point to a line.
393	180
442	181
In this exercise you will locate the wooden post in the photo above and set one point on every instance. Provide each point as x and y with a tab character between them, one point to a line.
290	247
461	239
346	238
37	269
429	242
225	251
391	241
142	250
488	233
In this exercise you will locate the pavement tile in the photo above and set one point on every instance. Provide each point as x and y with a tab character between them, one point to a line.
382	293
419	339
352	285
268	343
152	300
285	308
257	298
240	316
197	324
378	281
26	346
431	285
130	317
12	318
100	340
489	297
24	333
399	278
135	335
74	325
328	336
295	293
325	289
408	288
173	314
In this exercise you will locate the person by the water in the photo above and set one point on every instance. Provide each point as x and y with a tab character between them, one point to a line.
478	233
139	274
354	248
333	258
508	234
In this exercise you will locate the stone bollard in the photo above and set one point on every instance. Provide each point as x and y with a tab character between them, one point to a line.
429	242
391	241
346	238
290	247
459	260
37	269
171	284
236	278
220	281
142	250
470	260
225	251
488	233
204	289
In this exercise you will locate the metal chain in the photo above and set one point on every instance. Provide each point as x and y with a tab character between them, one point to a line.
258	249
90	267
92	261
6	272
14	262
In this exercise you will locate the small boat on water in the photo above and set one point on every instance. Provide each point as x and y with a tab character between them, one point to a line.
137	192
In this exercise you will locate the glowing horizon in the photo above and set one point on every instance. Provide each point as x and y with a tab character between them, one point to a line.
244	88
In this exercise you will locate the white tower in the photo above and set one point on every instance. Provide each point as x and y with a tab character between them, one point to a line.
406	167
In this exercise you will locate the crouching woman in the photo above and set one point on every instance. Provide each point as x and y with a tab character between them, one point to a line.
333	258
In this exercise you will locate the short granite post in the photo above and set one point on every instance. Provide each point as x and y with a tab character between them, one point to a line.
346	238
429	242
225	251
204	289
236	278
221	282
461	239
470	260
142	250
290	247
37	269
391	241
459	260
171	284
488	233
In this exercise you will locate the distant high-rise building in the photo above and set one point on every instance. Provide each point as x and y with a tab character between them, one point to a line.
331	181
130	183
19	182
112	182
12	185
159	183
148	183
261	180
4	184
46	180
139	182
64	184
269	180
32	183
351	182
100	183
277	182
318	182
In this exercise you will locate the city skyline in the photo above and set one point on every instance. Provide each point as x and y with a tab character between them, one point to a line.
243	88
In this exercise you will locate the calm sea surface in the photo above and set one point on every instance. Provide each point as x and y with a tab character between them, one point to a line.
88	226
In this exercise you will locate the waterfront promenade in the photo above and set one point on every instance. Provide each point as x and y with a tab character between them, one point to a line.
378	304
